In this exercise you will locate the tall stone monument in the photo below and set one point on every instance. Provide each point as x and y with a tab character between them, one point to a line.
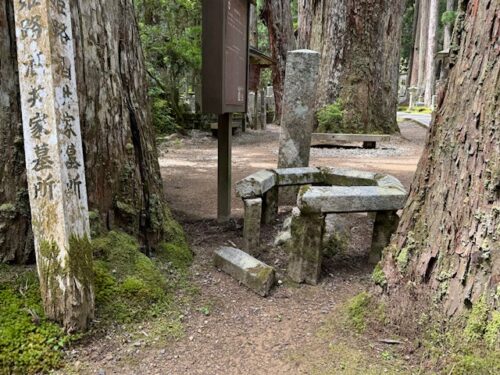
54	160
297	119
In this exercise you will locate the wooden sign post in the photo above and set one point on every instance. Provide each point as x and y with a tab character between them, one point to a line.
54	159
225	79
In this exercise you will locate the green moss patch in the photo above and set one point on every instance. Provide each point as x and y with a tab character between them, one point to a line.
129	288
357	311
378	276
28	342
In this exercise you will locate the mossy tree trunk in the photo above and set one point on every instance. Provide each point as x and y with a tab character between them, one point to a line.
277	16
359	42
123	178
448	243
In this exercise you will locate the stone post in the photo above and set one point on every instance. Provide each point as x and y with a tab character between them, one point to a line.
386	224
263	109
413	97
251	226
306	248
297	120
54	160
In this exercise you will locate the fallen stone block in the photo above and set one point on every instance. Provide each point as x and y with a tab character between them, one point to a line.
348	177
256	185
251	272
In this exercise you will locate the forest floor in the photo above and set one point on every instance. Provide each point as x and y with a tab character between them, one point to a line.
227	329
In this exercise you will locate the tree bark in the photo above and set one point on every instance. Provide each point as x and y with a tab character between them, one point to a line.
359	42
16	237
450	6
413	63
277	16
446	247
123	179
430	70
423	40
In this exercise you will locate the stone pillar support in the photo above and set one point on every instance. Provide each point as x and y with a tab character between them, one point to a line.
306	249
386	224
54	160
270	205
251	229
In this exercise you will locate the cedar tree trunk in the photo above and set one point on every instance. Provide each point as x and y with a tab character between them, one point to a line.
448	242
277	16
359	42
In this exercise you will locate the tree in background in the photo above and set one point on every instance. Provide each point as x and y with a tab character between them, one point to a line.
123	179
359	42
447	246
277	16
171	38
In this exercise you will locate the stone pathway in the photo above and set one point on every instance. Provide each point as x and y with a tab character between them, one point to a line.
421	118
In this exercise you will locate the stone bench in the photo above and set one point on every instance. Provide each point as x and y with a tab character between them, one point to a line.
369	140
382	195
326	191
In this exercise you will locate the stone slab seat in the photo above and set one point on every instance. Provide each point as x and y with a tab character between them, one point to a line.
369	140
251	272
343	199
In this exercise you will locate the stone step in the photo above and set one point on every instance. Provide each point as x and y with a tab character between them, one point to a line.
251	272
329	137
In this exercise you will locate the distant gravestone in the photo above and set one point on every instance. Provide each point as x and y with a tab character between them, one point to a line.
297	118
54	159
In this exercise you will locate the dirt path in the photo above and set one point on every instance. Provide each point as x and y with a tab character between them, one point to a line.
229	330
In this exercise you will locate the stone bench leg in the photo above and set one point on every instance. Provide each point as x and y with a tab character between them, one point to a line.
251	228
270	205
386	224
306	249
370	145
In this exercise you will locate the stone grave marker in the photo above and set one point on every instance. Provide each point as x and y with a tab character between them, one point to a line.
54	159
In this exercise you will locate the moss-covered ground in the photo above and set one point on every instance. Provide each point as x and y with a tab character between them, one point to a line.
129	288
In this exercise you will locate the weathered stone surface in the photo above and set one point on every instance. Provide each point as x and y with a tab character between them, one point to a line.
298	176
348	177
306	248
386	224
251	228
297	119
328	138
337	199
389	182
270	205
256	184
54	160
251	272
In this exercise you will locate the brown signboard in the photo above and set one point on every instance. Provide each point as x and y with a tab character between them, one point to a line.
225	55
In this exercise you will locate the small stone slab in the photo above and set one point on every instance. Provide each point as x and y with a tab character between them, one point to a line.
339	199
388	181
255	185
298	176
335	137
251	272
348	177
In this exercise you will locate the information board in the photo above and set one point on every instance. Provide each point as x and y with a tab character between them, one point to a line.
225	55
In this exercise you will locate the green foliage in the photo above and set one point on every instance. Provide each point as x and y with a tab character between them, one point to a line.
488	364
477	321
449	17
357	310
29	343
492	334
171	38
407	33
330	118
